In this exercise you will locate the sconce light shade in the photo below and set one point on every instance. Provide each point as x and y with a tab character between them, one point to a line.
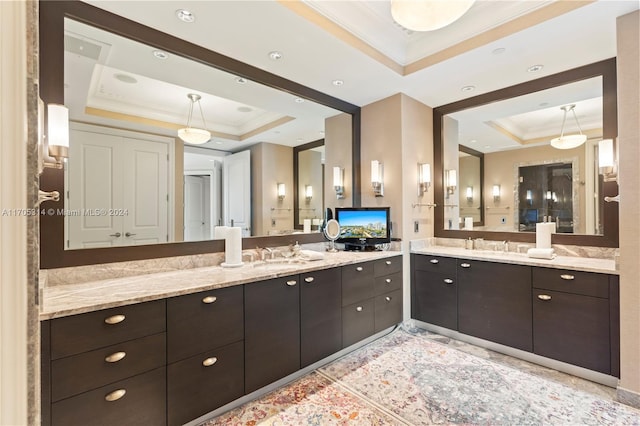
529	196
451	180
338	182
194	135
549	196
308	192
606	160
377	183
496	193
469	193
428	15
58	131
281	191
424	178
568	141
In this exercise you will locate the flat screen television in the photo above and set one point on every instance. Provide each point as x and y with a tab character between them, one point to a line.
361	228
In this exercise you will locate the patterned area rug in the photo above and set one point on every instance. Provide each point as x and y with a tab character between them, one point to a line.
405	378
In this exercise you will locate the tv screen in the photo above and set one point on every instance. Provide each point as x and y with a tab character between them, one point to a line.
363	226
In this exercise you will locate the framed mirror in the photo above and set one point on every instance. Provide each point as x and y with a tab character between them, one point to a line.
76	25
512	129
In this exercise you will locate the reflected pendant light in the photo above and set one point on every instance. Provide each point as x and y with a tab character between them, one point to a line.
428	15
194	135
568	141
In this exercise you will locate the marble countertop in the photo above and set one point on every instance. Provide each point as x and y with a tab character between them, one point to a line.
64	300
586	264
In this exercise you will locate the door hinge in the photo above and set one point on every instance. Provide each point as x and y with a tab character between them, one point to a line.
67	194
167	237
167	197
167	157
67	243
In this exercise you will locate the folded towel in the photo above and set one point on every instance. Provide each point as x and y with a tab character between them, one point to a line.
311	255
540	253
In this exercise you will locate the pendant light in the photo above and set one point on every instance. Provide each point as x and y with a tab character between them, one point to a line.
568	141
194	135
428	15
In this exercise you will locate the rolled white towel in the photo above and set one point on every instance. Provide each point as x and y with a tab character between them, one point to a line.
311	255
540	253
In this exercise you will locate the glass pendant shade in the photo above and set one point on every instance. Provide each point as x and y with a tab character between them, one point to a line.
194	135
428	15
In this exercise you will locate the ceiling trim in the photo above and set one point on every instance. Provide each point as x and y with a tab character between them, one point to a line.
538	16
266	127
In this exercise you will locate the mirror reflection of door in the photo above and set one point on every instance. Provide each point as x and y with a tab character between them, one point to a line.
237	191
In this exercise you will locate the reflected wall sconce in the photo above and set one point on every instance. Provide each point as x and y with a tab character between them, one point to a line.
281	191
308	192
569	141
529	196
469	194
424	178
451	180
607	160
57	143
496	193
377	174
338	182
194	135
549	195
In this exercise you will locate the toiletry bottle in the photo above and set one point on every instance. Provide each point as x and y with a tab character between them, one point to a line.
468	244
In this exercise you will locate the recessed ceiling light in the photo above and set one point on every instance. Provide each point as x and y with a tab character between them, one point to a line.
487	146
241	80
244	109
337	82
322	132
299	140
125	78
499	51
275	55
185	15
277	132
468	88
160	54
535	68
218	142
473	141
299	100
544	104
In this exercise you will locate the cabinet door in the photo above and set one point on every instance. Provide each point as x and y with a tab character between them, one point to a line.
494	302
320	315
387	310
202	383
434	298
357	322
357	283
572	328
202	321
272	330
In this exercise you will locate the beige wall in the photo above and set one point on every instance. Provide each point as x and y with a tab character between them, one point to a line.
499	168
629	145
337	142
310	173
264	178
469	177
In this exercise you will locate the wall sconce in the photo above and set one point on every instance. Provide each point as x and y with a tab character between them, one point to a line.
338	182
469	194
424	178
281	191
549	196
451	179
606	160
377	172
529	196
496	193
58	143
308	192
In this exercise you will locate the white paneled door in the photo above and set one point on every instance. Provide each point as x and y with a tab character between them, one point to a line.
237	191
117	190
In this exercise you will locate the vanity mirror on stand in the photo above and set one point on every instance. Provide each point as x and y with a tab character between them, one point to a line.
526	178
102	52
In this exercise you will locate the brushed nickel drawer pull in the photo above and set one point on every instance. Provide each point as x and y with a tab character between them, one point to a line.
209	361
388	280
388	262
291	283
567	277
434	261
465	265
209	299
115	357
359	309
114	319
448	281
115	395
544	297
309	279
388	299
359	269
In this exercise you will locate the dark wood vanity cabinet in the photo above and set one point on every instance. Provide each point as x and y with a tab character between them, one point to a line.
434	289
205	351
272	330
494	302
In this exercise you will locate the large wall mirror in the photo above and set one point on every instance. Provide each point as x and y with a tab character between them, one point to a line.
524	180
127	89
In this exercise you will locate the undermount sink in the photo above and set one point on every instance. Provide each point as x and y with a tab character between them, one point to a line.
277	263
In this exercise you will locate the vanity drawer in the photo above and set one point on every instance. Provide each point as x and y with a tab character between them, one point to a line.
202	321
442	265
387	266
576	282
143	403
357	283
388	283
388	310
81	333
80	373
